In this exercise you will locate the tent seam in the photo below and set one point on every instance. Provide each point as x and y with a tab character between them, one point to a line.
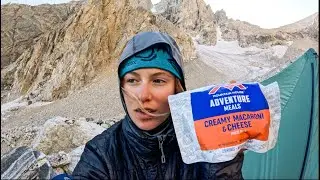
304	66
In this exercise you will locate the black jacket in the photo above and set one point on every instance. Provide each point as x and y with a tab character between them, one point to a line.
125	152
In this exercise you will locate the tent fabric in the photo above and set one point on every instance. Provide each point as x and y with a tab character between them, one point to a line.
295	155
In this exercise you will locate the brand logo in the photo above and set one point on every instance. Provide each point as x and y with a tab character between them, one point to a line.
147	56
228	86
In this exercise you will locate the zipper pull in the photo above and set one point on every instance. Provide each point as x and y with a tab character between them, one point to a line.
161	139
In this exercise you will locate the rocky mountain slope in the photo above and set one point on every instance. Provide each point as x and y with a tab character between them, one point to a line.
311	20
21	25
194	16
252	35
90	41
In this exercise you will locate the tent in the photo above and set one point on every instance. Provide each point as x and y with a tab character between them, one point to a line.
295	155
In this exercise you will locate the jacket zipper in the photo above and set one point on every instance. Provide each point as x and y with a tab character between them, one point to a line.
161	139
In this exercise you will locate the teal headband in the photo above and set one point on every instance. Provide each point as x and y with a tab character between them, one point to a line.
152	57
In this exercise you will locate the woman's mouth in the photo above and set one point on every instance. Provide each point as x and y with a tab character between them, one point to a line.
144	115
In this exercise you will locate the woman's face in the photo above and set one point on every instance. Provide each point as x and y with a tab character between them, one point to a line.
152	86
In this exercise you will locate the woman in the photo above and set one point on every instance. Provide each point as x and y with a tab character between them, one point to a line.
143	145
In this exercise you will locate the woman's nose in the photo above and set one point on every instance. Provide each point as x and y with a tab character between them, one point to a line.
145	93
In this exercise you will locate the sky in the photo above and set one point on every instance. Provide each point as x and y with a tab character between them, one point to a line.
264	13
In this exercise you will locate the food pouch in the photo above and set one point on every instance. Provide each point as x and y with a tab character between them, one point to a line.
214	123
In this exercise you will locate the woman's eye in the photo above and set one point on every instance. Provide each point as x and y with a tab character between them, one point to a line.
159	81
132	81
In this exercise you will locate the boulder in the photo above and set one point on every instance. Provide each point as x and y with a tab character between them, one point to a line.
62	134
25	163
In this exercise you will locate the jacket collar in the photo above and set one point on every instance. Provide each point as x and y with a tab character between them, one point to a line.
147	145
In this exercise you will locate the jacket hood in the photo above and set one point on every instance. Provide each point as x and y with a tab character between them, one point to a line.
144	40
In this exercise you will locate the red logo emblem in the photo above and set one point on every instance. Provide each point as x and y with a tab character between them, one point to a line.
228	86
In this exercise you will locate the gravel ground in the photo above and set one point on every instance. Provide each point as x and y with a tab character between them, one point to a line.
98	100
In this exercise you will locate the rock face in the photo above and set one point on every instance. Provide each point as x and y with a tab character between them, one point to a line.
194	16
221	17
145	4
301	24
313	30
251	35
90	41
21	25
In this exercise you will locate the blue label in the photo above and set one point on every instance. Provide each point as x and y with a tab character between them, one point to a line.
227	98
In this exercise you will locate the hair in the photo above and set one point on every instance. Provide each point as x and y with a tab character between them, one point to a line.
178	86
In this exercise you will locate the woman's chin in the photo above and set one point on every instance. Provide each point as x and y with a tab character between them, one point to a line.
147	125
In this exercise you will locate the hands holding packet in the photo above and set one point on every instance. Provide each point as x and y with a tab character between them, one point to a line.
214	123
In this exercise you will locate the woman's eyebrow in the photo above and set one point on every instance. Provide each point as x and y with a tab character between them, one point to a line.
133	73
162	73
